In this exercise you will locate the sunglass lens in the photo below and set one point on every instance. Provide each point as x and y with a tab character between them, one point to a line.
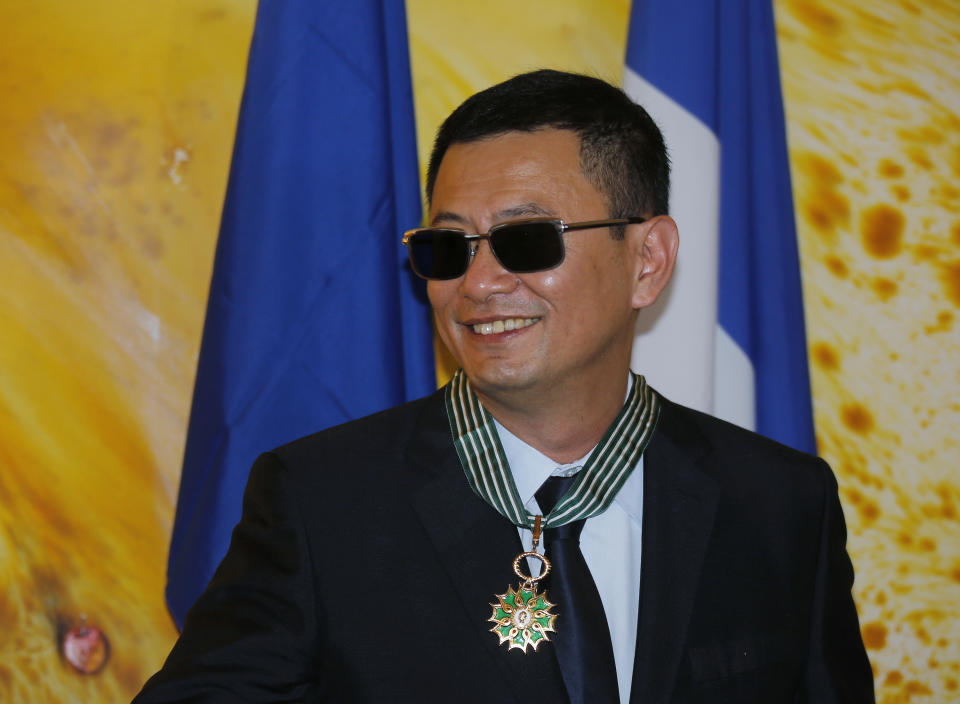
438	254
528	247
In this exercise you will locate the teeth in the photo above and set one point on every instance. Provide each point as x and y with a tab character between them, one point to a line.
498	326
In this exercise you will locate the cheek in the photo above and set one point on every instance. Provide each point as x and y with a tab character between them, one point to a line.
571	286
549	279
440	293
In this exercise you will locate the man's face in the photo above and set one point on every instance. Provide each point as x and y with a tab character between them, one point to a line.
571	322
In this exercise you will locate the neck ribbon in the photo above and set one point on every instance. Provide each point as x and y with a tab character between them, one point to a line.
596	485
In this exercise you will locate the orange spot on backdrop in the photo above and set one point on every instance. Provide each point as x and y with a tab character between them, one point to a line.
882	230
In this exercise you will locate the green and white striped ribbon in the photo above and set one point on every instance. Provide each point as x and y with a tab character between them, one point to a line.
488	472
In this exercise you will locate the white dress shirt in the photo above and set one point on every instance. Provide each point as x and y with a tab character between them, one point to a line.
610	543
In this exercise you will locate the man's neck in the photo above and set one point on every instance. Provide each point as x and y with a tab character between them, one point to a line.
562	429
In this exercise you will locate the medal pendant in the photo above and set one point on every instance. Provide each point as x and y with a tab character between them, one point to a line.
522	616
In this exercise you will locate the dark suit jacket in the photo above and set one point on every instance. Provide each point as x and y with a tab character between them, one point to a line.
364	566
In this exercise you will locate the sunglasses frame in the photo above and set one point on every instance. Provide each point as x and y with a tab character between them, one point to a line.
560	227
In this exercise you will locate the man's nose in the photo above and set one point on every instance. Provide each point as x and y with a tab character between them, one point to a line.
485	275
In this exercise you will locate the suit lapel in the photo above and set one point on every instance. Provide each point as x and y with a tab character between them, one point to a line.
678	511
476	546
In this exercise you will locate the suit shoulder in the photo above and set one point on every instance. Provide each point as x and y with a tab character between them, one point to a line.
742	463
371	434
732	440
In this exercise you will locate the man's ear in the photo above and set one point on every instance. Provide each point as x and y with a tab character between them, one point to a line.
654	247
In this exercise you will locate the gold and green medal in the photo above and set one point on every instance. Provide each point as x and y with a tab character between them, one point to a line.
522	617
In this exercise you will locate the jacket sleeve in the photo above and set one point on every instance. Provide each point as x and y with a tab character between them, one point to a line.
837	668
251	636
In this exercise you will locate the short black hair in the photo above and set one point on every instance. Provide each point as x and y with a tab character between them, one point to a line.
622	152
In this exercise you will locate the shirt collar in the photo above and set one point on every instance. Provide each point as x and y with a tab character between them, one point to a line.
530	467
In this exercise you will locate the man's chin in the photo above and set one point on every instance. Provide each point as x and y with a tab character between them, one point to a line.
501	379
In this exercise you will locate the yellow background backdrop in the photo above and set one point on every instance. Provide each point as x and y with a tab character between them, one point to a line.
115	134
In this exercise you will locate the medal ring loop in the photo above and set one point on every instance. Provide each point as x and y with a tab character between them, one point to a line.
528	578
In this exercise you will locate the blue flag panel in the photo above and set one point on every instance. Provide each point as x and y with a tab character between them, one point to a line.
313	316
718	60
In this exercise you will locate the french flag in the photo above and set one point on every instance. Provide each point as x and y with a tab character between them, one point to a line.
727	336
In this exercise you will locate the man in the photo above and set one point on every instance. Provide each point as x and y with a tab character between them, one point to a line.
691	561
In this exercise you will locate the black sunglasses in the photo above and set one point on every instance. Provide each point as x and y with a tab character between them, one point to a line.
521	246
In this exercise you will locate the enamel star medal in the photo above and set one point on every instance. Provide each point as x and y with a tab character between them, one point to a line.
521	617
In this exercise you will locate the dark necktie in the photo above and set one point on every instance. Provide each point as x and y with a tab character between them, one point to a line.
583	644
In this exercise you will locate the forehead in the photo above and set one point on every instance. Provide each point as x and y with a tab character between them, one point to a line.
498	173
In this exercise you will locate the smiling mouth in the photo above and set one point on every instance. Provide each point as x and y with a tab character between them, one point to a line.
498	326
